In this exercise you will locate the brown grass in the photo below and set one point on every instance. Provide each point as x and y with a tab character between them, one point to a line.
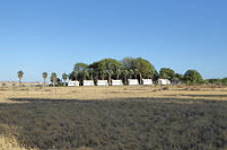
10	143
103	93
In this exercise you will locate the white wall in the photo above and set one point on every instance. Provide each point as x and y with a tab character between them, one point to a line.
73	83
102	83
147	81
117	83
88	83
133	82
164	82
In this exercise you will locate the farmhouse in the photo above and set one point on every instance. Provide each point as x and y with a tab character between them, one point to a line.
102	83
133	82
147	82
73	83
117	83
88	83
164	82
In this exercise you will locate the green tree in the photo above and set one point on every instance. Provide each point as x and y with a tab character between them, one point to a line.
178	79
179	76
20	75
75	75
118	73
129	63
125	74
85	75
82	75
109	75
65	78
138	75
224	81
142	65
54	78
193	76
80	67
102	74
106	64
45	75
167	73
91	74
131	74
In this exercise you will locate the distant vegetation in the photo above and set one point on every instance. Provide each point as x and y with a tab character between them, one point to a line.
128	68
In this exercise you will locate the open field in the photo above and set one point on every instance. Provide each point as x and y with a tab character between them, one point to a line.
104	93
114	118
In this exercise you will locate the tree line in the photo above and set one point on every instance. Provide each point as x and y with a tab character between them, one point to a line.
128	68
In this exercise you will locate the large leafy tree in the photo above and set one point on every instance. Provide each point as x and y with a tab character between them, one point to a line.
143	66
193	76
80	67
167	73
20	75
129	63
78	70
179	76
106	64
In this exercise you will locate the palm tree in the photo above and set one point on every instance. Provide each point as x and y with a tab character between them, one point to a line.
109	73
85	75
102	74
91	74
75	75
125	74
65	77
20	75
131	73
150	75
53	78
45	75
138	75
118	73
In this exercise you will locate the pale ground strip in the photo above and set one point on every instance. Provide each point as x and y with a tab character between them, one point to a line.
104	93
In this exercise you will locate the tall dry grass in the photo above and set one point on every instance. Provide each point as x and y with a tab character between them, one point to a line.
7	143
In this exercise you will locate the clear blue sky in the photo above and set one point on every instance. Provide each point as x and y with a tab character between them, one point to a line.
52	35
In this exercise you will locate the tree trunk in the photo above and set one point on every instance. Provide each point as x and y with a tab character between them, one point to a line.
44	82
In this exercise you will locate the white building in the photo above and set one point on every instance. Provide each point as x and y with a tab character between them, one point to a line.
102	83
133	82
88	83
147	82
164	82
73	83
117	83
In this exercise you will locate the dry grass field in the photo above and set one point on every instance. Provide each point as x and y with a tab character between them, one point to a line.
104	93
124	118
